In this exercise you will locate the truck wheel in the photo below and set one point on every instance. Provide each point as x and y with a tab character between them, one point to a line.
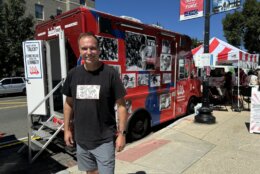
190	108
139	127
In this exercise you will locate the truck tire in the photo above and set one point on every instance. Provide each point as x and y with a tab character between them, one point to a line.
139	126
190	108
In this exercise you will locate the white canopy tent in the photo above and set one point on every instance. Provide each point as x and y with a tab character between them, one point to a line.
226	54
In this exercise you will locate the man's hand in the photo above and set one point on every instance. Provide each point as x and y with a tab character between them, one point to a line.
68	138
120	142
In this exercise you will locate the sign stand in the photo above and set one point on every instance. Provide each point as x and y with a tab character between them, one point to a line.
255	111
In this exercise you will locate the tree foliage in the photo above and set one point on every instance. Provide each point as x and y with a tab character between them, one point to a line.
15	28
242	28
195	43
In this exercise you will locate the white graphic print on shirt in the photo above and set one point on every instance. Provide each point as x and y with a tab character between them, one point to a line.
88	91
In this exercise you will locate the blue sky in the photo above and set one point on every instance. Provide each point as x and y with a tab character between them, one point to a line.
166	12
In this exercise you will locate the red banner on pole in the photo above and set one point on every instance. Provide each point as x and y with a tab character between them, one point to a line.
190	9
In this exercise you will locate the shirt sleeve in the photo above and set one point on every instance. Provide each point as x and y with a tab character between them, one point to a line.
66	88
117	86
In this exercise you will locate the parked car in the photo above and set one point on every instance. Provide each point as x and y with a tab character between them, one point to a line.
11	85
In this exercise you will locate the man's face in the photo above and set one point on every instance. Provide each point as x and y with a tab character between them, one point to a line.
89	50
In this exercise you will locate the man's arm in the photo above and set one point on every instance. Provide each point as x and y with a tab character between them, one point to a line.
122	120
68	114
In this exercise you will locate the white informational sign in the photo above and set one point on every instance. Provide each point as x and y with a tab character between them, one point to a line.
205	59
32	59
33	65
255	111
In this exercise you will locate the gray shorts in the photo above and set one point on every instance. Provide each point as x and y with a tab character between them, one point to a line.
101	158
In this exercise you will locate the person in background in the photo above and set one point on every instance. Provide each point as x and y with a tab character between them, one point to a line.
92	90
252	79
228	86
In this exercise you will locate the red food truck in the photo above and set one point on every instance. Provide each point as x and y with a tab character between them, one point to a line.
155	65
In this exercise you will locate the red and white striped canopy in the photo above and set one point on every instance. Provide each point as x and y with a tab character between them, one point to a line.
226	53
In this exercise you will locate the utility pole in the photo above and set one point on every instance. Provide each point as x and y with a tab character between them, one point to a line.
205	112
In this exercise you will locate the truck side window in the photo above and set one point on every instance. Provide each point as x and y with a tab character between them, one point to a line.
105	25
181	69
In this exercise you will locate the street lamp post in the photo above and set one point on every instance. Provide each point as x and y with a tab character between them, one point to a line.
205	112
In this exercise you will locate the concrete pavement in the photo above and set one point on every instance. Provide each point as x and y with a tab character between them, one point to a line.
190	148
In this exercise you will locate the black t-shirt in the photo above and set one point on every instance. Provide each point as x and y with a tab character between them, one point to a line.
94	95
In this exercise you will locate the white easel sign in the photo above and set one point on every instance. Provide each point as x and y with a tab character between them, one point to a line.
255	111
32	59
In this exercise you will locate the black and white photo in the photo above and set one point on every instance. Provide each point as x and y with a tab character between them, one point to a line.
108	49
143	79
155	80
166	47
165	101
165	62
166	78
128	80
140	52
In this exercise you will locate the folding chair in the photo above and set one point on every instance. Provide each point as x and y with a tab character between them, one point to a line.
216	99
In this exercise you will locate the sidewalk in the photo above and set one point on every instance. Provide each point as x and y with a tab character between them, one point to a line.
190	148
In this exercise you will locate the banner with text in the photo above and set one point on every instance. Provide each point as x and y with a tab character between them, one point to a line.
190	9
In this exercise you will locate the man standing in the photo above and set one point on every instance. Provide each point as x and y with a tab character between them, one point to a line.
92	90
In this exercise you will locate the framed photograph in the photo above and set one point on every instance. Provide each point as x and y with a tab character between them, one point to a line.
140	52
108	49
128	80
166	78
165	101
166	47
165	62
155	80
143	79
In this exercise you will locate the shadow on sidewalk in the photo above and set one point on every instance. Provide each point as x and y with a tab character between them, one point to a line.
13	162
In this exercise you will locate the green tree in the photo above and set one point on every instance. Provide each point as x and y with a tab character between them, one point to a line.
242	28
15	28
195	42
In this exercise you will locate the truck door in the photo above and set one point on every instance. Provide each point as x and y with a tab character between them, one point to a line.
183	90
34	75
45	67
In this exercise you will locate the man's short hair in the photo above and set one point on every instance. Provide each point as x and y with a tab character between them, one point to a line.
88	34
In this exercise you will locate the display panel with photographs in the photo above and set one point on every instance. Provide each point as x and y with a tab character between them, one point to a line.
165	62
165	101
128	80
108	49
155	80
140	52
166	47
143	79
166	78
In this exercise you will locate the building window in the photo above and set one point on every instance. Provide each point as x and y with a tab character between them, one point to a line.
39	11
82	2
58	11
